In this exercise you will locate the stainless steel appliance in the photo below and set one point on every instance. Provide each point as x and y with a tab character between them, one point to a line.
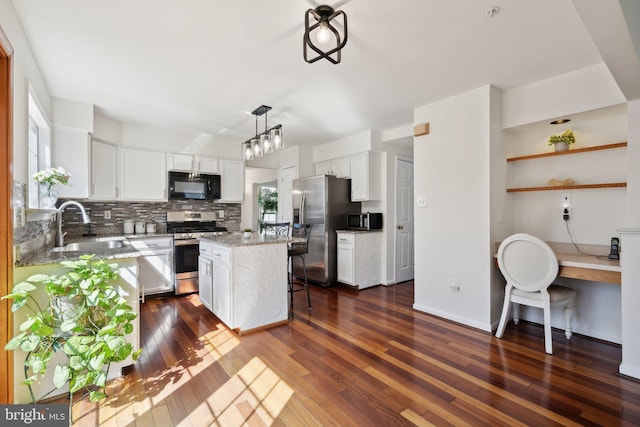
364	221
184	185
186	227
322	201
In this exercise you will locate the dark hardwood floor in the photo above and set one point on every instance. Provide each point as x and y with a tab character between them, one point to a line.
360	359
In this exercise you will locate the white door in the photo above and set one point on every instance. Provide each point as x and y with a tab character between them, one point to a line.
285	202
404	221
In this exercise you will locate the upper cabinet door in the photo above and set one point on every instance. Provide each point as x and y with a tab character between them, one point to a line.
104	170
70	149
232	180
208	165
341	167
143	175
181	162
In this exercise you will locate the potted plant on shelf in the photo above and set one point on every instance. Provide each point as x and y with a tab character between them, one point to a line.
561	142
247	233
83	316
48	178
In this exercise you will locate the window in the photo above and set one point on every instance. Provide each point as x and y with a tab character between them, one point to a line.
39	140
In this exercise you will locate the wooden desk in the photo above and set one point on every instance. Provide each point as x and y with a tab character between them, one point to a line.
595	268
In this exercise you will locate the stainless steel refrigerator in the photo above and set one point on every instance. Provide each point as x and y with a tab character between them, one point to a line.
322	201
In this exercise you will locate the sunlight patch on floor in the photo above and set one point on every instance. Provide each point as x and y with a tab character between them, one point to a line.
255	395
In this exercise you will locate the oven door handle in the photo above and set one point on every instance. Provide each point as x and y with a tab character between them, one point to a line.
186	242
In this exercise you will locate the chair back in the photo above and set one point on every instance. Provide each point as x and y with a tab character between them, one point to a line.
527	263
280	229
302	231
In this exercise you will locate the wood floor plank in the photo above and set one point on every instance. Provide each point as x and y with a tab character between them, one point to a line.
359	358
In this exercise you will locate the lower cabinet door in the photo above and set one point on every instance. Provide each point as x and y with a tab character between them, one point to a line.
222	292
346	264
155	273
205	273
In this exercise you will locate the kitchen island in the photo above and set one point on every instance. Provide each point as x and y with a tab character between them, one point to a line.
243	281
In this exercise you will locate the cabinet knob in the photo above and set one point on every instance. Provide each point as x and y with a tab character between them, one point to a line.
401	227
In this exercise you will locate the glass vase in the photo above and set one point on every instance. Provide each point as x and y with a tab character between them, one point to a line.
48	196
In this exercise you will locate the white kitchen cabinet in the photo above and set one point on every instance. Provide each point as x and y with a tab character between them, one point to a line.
143	175
231	180
366	176
248	280
155	266
192	163
323	168
339	167
180	162
104	170
359	258
222	285
208	165
215	280
205	281
345	259
70	149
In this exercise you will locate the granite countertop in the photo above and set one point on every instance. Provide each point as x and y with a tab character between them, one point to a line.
238	239
51	256
353	231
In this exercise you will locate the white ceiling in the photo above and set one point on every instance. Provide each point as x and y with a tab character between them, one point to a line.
202	65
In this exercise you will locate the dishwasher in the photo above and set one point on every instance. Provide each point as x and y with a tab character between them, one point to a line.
155	266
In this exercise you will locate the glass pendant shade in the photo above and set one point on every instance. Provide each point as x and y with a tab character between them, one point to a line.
247	150
257	149
265	143
278	142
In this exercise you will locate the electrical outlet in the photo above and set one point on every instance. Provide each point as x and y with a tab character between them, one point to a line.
107	214
221	214
566	213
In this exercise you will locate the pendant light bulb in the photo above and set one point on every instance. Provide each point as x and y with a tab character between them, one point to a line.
324	35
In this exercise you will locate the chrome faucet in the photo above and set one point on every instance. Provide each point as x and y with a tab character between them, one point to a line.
85	219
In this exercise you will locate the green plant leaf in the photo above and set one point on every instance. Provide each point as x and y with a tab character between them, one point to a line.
38	278
96	363
15	342
68	325
61	375
96	396
30	343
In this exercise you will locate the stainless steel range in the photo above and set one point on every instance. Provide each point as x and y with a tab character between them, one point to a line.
187	227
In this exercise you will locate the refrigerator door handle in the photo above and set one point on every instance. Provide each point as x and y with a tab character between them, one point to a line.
303	199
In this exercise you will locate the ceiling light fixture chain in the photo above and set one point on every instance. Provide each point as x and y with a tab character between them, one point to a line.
264	142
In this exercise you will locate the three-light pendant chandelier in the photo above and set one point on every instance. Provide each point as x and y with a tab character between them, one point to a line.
265	142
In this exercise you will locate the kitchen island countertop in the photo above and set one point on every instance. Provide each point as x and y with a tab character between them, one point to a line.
238	239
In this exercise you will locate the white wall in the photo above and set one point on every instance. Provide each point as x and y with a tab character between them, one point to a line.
453	232
560	95
630	245
347	146
25	71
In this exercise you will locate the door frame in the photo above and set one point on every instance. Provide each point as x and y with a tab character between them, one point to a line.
6	214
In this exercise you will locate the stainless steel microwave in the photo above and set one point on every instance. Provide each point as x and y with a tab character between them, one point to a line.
364	221
193	186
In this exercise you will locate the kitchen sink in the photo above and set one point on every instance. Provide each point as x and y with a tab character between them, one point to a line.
96	247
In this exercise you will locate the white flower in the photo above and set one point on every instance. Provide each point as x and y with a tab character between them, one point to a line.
52	176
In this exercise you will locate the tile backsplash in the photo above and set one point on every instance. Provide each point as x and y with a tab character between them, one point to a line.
36	235
149	212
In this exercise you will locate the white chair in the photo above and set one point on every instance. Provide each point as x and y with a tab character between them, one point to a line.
530	266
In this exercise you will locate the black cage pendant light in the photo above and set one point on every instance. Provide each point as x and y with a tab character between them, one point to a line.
329	41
